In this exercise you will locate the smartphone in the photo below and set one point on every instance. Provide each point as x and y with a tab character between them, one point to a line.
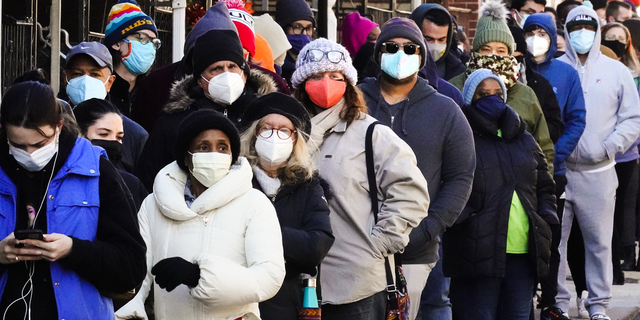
28	234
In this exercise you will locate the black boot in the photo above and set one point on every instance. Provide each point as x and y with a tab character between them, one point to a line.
629	257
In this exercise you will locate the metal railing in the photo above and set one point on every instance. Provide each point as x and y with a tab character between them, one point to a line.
18	55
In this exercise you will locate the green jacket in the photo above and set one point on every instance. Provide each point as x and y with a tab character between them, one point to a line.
523	100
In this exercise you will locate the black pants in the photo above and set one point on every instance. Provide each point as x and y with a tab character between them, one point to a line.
624	214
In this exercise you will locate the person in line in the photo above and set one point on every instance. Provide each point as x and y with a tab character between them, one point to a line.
437	132
520	10
325	83
436	25
612	124
618	11
89	72
297	21
132	39
57	182
357	31
276	146
100	122
222	81
499	245
542	45
214	243
493	48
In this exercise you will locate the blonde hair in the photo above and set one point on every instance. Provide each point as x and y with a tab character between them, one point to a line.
628	58
298	169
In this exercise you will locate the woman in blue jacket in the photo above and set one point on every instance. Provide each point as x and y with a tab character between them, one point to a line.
500	243
275	145
52	180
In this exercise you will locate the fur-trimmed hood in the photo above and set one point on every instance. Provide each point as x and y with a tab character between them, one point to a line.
185	91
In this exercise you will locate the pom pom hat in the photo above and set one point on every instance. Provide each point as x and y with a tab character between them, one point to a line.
492	26
124	19
244	22
305	67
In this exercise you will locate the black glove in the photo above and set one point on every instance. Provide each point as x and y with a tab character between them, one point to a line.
172	272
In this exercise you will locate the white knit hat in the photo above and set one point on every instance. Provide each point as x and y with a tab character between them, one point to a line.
305	68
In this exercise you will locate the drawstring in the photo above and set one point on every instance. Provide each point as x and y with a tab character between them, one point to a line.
404	116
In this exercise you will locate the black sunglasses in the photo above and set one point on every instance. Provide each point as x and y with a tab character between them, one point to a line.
392	47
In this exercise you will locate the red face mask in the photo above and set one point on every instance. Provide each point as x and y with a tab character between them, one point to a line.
325	92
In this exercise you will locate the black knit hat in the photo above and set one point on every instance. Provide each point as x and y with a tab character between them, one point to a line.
289	11
401	28
196	123
282	104
217	45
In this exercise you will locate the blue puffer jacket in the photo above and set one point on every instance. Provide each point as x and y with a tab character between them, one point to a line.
74	214
566	85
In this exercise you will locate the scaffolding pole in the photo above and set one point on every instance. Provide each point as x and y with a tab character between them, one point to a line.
179	17
54	33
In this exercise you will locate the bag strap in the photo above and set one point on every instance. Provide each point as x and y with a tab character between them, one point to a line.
373	194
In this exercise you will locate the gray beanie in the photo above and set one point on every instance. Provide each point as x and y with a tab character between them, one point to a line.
305	68
401	28
474	80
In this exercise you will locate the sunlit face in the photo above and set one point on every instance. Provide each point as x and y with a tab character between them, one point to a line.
488	87
616	34
333	75
561	43
494	48
278	125
540	32
300	27
434	33
212	140
123	47
31	140
109	127
83	64
623	14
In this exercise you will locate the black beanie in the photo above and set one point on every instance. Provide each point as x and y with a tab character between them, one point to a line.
282	104
401	28
200	121
217	45
518	37
289	11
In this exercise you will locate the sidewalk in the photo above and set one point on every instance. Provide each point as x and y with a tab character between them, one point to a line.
625	301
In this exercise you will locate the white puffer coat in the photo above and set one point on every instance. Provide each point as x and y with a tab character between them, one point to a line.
231	231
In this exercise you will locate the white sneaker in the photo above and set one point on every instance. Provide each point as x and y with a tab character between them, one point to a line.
600	316
582	311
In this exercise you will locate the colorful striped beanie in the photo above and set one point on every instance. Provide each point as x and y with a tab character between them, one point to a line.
126	18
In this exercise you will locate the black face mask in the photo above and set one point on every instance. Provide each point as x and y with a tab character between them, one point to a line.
520	59
616	46
114	149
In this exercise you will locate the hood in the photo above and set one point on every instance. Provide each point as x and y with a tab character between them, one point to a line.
418	16
509	123
168	191
181	95
546	22
570	53
430	70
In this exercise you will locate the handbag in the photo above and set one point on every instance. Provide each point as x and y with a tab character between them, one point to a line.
398	302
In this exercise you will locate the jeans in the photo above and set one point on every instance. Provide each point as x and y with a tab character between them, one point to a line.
370	308
487	298
435	303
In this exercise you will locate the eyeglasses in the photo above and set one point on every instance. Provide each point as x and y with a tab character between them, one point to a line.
283	133
144	39
299	29
315	55
392	47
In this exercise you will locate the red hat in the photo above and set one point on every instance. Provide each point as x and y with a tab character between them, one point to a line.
244	23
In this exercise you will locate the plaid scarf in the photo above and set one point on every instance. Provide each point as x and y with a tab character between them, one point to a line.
504	67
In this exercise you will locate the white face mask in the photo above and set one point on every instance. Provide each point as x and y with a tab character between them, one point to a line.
524	18
84	88
274	151
225	88
37	159
436	50
537	46
210	167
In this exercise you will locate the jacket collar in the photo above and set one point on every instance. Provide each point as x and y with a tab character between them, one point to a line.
168	191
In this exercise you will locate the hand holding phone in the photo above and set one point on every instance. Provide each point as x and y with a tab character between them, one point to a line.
28	234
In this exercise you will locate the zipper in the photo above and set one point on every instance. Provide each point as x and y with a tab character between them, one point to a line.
392	118
225	113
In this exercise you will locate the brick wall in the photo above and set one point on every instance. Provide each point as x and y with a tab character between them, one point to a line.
466	12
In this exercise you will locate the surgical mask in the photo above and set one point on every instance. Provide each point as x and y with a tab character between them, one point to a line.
582	40
140	57
298	41
523	18
273	151
436	50
37	159
84	88
210	167
537	46
226	87
399	65
326	92
491	106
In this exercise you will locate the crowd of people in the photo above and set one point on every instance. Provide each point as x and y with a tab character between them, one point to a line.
216	186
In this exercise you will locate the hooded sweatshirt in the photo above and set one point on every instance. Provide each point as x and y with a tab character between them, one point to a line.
611	101
566	85
448	66
442	140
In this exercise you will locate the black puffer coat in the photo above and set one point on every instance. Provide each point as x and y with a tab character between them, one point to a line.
303	213
476	246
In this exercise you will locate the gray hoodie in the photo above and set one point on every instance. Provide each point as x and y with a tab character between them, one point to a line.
611	101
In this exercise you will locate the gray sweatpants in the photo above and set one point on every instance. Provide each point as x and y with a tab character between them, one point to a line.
591	198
